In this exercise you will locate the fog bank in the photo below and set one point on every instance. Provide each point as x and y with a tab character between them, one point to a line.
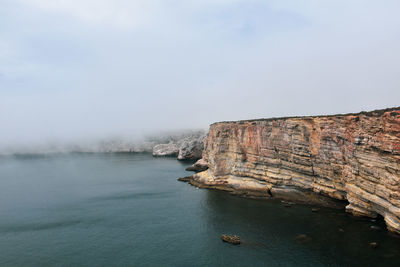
91	70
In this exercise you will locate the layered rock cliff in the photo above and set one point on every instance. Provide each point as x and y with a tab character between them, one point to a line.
354	158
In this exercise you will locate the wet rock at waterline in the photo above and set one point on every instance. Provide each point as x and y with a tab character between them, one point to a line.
232	239
373	245
199	166
303	238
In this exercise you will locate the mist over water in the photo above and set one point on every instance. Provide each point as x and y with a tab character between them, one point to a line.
129	210
136	143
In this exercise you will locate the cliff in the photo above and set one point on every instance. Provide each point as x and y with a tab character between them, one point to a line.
353	159
188	146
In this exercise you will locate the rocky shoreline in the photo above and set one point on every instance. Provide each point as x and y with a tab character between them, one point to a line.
346	160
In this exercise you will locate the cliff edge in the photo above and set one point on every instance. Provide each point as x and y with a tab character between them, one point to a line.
353	159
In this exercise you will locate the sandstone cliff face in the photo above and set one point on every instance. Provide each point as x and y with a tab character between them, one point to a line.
354	157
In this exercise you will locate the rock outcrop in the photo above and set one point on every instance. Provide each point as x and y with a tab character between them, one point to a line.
198	166
352	158
186	147
191	148
233	239
165	150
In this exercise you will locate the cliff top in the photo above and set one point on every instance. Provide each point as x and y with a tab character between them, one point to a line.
376	113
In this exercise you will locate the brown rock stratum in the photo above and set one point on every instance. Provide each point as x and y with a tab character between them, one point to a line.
352	159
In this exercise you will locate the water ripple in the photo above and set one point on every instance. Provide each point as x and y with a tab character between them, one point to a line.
16	228
131	196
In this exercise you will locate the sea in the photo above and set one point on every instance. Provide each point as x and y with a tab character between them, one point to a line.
126	209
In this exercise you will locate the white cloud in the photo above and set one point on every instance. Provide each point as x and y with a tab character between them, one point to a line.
119	13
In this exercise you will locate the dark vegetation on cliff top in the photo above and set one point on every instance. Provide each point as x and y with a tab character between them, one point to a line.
376	113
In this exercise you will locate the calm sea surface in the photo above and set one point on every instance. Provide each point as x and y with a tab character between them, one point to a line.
129	210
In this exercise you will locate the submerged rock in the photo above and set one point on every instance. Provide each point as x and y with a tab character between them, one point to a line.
373	245
233	239
373	227
165	150
303	238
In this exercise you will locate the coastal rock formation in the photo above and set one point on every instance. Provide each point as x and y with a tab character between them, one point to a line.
166	150
198	166
191	148
352	158
186	147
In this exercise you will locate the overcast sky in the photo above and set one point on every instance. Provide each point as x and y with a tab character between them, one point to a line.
92	68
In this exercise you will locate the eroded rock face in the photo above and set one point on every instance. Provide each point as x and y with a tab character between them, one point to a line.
191	148
186	146
165	150
198	166
353	157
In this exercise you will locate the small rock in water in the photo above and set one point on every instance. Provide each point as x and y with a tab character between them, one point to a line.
373	245
185	179
233	239
315	210
286	204
373	227
341	230
303	238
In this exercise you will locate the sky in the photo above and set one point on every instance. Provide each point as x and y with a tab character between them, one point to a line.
73	69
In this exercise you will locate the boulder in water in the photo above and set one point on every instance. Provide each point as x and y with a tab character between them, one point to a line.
303	238
233	239
373	245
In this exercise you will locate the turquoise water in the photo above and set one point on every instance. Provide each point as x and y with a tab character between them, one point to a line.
129	210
